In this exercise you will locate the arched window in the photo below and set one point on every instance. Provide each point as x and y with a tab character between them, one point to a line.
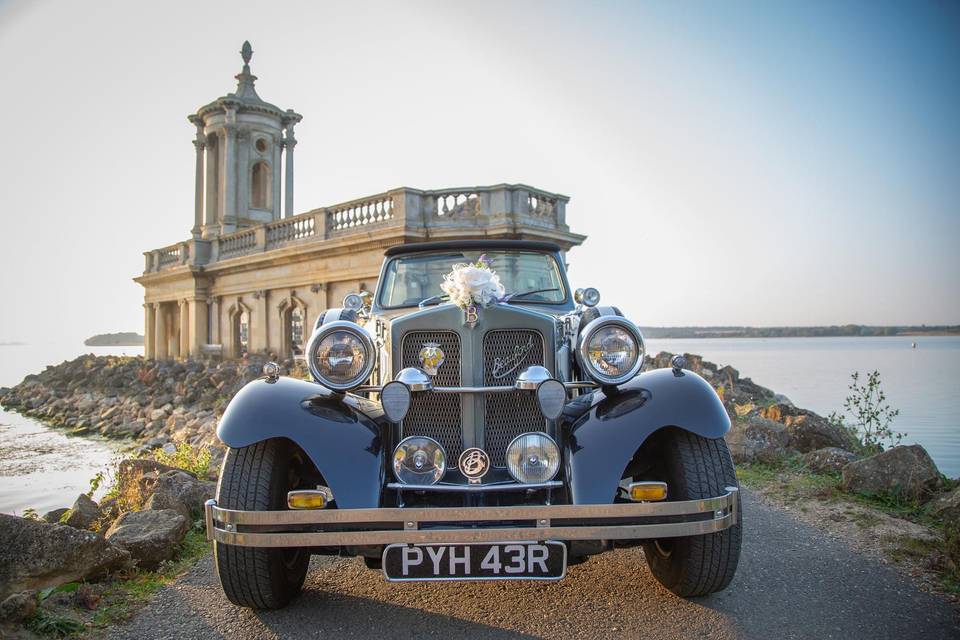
260	179
239	332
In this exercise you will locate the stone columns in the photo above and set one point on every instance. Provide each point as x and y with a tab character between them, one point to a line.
259	324
289	142
149	342
184	350
230	171
197	321
160	334
213	205
200	144
214	311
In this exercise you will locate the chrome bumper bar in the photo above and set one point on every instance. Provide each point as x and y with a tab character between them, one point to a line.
336	527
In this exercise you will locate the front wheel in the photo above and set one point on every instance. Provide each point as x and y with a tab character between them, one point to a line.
696	468
257	478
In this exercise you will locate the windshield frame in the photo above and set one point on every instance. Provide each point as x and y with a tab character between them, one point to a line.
555	257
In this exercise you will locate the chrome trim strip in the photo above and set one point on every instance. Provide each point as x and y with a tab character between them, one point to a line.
406	523
471	488
374	388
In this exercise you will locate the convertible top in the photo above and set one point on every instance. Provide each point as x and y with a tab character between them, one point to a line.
421	247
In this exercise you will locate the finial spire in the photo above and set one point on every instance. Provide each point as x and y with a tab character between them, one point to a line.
245	79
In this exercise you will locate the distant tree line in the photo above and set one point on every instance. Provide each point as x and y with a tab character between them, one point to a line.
847	330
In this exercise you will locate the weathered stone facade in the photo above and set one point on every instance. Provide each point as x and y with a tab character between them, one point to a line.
249	280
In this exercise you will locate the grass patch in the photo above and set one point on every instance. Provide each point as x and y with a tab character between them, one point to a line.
792	482
124	597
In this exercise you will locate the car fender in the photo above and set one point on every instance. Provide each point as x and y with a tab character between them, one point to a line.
339	433
608	428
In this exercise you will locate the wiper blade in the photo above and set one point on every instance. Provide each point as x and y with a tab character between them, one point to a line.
431	300
528	293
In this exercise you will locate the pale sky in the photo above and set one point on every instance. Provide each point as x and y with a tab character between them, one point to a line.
754	163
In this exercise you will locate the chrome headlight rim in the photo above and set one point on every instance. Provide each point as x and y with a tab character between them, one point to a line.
443	458
546	437
365	339
583	343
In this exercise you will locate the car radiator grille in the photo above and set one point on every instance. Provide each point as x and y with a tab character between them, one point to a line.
505	354
436	415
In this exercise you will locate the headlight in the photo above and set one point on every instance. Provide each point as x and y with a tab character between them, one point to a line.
341	355
419	460
533	457
610	350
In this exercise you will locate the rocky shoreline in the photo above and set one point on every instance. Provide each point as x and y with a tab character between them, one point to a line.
168	411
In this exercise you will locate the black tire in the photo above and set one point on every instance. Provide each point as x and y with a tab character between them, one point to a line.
258	478
695	468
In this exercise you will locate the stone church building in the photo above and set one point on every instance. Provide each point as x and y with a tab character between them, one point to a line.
253	276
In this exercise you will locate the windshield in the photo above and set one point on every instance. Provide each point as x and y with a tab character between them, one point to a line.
417	276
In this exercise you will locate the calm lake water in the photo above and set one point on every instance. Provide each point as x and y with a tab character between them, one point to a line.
45	469
41	467
923	383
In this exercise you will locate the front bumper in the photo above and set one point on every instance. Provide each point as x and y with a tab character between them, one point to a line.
349	527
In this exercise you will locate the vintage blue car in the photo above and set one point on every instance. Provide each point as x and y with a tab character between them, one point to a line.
449	441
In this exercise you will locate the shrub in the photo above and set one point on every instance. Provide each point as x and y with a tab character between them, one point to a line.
870	416
195	461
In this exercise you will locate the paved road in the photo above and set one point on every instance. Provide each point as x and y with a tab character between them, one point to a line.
793	582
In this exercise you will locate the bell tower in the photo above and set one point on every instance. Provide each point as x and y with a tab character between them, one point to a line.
240	142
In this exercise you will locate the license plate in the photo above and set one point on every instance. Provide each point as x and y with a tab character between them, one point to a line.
479	561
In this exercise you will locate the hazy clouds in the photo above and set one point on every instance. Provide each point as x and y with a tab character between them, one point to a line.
733	163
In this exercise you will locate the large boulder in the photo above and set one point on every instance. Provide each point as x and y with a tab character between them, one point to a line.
82	514
150	536
906	471
190	491
53	516
809	432
946	507
758	440
163	499
18	607
37	554
828	460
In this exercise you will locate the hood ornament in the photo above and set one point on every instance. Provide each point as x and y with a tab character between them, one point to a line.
431	357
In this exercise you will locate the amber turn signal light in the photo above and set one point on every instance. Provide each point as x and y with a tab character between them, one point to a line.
309	498
648	491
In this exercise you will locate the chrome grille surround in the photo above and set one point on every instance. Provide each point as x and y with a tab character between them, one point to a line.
507	352
436	415
467	365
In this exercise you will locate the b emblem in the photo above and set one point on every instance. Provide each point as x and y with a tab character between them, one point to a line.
471	315
474	464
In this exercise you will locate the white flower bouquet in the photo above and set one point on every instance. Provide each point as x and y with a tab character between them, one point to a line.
473	284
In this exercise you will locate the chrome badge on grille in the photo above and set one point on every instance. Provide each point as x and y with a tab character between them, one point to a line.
506	365
431	357
474	464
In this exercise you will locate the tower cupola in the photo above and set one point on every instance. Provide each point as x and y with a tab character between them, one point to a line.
240	142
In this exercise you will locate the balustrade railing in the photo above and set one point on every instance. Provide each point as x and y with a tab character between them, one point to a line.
360	213
454	203
283	232
238	244
413	209
169	256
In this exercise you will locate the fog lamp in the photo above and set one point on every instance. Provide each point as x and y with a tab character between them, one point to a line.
419	460
532	458
317	498
648	491
395	398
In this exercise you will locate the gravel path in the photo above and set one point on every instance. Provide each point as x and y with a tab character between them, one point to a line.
793	582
